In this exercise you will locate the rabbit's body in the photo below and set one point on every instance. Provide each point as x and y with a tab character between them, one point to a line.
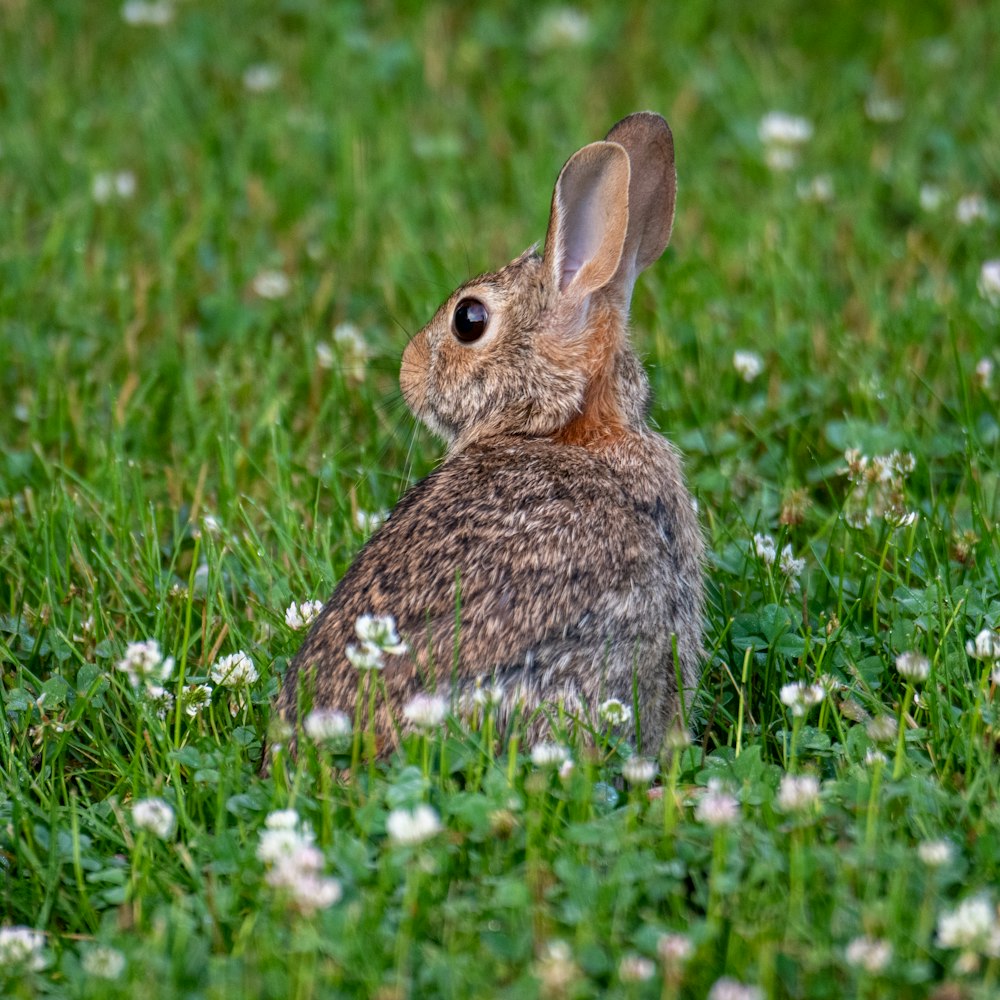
558	534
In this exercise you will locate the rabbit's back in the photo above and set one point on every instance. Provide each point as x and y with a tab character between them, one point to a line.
572	574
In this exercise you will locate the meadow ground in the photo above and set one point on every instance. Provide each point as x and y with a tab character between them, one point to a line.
218	223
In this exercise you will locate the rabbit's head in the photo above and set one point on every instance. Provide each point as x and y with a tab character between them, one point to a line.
540	348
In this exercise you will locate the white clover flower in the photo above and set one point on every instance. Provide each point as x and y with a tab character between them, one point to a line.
986	646
426	711
727	988
818	190
556	969
299	857
365	657
674	949
21	946
931	197
635	969
781	159
878	484
194	698
125	184
789	565
903	462
235	670
324	355
283	835
880	469
159	699
857	466
549	754
350	342
882	729
639	770
349	348
307	890
883	109
989	282
380	632
369	521
614	713
777	128
407	828
145	13
154	815
799	697
480	698
858	518
487	695
935	853
870	954
985	366
106	186
716	807
561	28
873	757
677	738
103	962
897	519
302	615
284	819
798	793
748	364
913	667
967	964
326	725
261	77
145	664
971	926
211	524
971	208
271	284
764	547
286	846
566	769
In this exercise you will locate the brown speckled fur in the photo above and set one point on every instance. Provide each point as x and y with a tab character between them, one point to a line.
561	516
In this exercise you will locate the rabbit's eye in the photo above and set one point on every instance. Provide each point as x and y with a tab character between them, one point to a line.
470	320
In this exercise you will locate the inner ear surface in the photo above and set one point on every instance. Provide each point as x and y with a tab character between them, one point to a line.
589	217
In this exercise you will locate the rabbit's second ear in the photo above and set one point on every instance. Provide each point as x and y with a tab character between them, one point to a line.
589	219
647	139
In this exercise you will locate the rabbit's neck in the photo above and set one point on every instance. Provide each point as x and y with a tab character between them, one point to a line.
614	405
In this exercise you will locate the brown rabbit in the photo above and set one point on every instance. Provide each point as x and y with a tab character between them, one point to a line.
558	528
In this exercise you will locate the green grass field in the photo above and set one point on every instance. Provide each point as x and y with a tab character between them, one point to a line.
219	222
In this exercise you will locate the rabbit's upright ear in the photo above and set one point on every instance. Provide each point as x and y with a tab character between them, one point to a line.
589	219
647	139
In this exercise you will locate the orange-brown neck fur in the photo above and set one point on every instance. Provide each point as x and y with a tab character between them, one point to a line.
602	419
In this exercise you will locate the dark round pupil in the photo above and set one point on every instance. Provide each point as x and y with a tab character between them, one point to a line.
471	317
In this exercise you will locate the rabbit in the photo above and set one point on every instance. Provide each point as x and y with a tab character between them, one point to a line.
557	535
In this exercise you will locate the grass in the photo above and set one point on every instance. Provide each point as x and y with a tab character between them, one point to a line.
183	457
